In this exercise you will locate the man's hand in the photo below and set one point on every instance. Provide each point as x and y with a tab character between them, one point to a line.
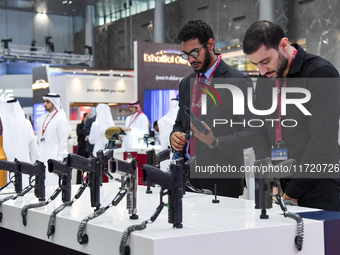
128	129
286	197
178	141
207	139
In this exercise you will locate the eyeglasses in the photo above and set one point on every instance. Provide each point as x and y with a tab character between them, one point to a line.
193	53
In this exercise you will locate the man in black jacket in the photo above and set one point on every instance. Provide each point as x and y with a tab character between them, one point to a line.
86	132
223	145
81	147
311	138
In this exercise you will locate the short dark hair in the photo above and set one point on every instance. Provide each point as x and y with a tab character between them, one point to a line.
85	114
155	124
260	33
196	29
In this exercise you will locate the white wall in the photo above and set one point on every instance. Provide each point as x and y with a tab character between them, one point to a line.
19	26
20	84
92	89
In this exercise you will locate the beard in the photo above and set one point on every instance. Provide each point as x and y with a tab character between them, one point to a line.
205	64
49	109
281	65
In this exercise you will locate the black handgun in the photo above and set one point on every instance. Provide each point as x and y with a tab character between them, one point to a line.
266	179
172	182
64	172
38	171
154	159
195	120
128	170
103	157
14	168
92	167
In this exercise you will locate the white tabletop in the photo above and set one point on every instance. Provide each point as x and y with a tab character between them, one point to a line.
232	226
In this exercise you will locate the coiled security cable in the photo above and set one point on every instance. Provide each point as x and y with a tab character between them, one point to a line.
51	222
124	249
6	199
2	201
299	229
300	226
36	205
22	193
83	238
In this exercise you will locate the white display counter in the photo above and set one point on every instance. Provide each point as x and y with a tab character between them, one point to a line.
232	226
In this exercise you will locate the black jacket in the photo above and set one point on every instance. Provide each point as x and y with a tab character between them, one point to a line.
232	139
314	140
86	131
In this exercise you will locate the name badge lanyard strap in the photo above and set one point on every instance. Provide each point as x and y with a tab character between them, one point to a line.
44	128
193	99
131	121
278	127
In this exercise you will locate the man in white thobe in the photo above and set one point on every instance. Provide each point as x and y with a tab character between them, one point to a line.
136	126
165	124
97	133
19	141
53	132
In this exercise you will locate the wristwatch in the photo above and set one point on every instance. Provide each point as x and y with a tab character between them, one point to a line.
213	144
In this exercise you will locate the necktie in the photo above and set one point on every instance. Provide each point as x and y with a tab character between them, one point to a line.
196	109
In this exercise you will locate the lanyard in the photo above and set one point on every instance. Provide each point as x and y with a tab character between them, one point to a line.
156	136
195	89
278	117
133	120
44	129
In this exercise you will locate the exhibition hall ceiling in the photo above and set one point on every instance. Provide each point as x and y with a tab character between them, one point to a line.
68	7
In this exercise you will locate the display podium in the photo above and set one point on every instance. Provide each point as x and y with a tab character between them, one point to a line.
232	226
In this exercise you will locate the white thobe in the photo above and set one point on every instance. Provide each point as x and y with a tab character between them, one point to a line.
53	144
165	125
97	138
139	127
26	150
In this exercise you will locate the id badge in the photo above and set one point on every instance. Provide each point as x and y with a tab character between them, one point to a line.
42	140
280	154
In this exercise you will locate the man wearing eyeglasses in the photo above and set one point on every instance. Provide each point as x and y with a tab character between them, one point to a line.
223	145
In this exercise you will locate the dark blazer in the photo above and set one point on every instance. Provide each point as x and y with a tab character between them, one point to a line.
232	138
81	147
87	129
314	140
